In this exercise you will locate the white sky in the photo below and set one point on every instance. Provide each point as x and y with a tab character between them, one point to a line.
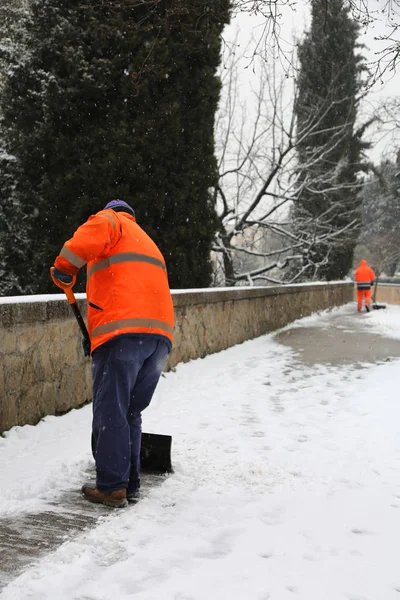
286	484
293	25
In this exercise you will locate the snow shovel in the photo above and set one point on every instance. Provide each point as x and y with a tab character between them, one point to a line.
376	306
155	449
155	453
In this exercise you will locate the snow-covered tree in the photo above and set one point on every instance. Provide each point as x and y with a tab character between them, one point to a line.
112	100
12	51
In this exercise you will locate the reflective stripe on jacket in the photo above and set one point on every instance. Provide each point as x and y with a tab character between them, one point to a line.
127	284
363	285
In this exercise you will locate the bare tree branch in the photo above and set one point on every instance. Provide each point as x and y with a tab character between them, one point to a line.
260	180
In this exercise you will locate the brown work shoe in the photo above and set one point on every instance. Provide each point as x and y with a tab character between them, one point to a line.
115	499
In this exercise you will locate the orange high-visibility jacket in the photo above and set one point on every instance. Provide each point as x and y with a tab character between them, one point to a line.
127	284
364	276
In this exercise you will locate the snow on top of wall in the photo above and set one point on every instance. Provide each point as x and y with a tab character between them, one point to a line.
82	296
36	298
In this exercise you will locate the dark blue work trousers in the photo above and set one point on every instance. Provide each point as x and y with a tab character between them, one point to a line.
125	374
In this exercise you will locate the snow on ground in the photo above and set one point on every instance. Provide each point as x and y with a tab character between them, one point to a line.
286	485
382	322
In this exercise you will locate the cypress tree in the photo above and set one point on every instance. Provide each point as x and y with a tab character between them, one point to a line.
329	90
112	100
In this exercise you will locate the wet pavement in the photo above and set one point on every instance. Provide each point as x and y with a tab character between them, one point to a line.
341	338
27	537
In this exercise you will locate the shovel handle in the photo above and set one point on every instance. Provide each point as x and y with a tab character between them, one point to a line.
66	287
79	318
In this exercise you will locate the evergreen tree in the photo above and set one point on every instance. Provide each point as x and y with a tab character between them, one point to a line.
112	100
330	157
12	16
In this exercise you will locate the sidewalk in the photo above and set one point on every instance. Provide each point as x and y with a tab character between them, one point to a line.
340	338
286	480
27	537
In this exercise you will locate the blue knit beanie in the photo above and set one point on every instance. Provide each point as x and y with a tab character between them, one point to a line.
120	206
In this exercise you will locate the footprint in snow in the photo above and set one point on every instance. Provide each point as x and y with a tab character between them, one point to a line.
257	434
358	531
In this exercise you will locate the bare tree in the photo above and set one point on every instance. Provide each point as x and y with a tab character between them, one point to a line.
260	181
381	16
388	16
386	131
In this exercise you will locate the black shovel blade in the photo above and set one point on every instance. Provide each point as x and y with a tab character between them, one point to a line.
378	306
155	453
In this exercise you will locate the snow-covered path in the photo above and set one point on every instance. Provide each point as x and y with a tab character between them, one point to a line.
286	484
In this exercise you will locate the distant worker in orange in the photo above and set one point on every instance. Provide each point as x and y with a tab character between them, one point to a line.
365	278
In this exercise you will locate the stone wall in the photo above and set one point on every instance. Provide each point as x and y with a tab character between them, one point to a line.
43	370
388	293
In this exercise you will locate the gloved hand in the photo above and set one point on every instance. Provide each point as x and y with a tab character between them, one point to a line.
86	346
64	277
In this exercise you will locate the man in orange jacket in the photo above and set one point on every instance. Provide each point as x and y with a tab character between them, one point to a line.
365	278
131	324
